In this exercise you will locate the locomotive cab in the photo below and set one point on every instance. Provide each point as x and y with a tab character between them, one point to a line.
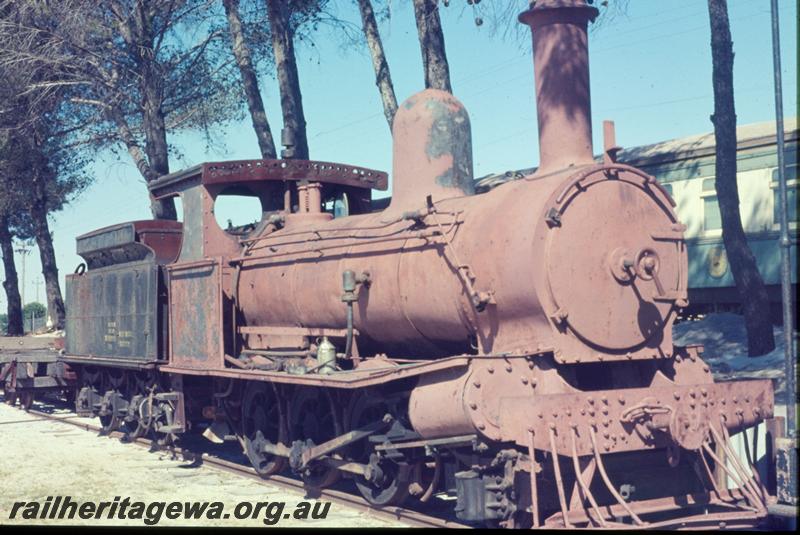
202	282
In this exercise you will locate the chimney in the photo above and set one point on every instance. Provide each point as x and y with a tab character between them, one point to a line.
561	70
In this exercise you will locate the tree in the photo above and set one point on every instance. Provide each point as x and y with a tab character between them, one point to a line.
11	282
750	285
11	215
35	309
431	42
383	78
45	178
244	60
38	173
139	68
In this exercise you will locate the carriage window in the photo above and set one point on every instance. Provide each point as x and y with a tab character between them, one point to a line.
791	195
711	216
237	210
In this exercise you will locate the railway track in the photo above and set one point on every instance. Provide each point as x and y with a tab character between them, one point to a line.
408	517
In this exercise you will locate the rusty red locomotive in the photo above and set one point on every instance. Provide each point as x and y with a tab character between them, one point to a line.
512	348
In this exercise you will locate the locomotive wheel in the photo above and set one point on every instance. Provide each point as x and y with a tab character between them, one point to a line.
69	397
312	418
108	422
137	389
10	397
390	484
26	400
262	421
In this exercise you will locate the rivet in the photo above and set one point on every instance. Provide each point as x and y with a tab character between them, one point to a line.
551	425
508	368
622	400
473	406
676	395
678	358
605	400
591	400
524	380
481	426
569	412
490	369
476	383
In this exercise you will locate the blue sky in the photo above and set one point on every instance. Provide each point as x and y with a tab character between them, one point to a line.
650	73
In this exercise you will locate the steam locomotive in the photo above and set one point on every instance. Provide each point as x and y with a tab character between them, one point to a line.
512	349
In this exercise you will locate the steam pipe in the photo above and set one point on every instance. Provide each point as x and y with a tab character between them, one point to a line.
561	70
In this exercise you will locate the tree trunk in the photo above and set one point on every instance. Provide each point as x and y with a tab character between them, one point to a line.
140	30
44	240
11	282
383	78
155	133
431	42
288	81
755	302
241	53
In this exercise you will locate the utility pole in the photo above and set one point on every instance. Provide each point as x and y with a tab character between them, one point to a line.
786	454
38	282
23	251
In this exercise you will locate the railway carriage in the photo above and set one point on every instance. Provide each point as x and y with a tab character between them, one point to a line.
686	168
